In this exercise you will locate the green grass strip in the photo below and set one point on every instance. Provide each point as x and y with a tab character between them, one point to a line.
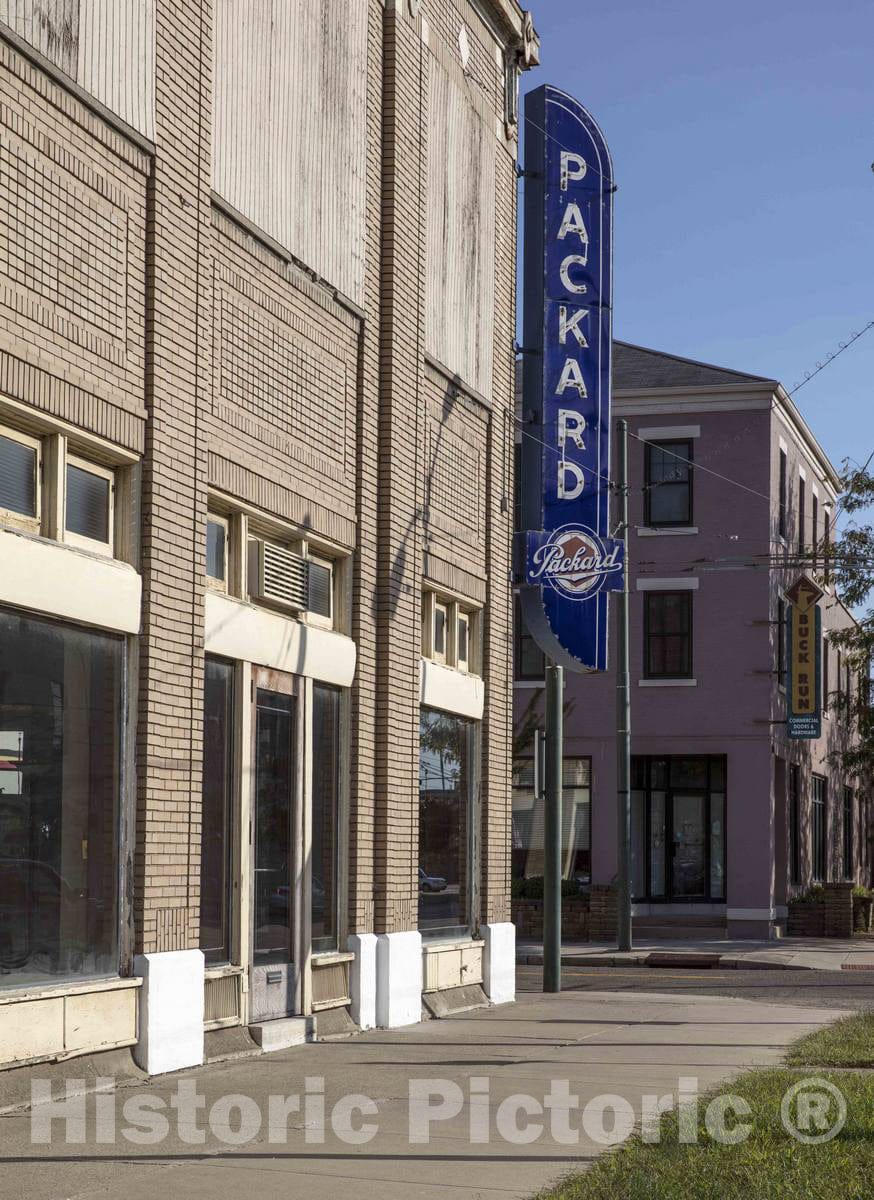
769	1165
847	1043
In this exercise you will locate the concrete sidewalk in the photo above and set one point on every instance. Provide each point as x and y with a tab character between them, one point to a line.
600	1042
805	954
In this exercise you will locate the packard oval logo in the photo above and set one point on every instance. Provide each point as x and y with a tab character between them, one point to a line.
575	561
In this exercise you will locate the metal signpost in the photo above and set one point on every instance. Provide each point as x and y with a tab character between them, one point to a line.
567	559
804	632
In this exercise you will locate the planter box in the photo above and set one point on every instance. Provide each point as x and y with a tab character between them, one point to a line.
863	907
528	919
806	919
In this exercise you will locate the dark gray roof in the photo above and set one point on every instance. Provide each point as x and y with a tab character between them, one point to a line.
637	367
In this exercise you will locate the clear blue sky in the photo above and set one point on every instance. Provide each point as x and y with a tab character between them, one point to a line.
742	137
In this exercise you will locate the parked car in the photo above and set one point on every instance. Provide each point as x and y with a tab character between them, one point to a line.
431	883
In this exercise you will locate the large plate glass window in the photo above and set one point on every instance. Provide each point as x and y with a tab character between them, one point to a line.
217	811
446	822
60	747
325	816
576	821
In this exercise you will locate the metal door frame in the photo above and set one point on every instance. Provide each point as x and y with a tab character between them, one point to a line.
286	684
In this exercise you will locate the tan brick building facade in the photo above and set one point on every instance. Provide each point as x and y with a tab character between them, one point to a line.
257	271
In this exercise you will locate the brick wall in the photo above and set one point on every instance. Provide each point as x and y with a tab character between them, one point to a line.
182	333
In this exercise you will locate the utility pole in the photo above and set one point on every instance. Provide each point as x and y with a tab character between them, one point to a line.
623	715
552	830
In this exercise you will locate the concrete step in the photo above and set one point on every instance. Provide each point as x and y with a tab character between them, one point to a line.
282	1033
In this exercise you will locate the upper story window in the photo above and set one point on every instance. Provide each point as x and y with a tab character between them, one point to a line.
781	642
814	528
668	480
450	632
802	514
217	551
320	589
668	635
46	488
262	562
89	503
783	499
20	478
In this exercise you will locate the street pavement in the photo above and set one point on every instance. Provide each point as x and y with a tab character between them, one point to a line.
819	989
628	1043
812	954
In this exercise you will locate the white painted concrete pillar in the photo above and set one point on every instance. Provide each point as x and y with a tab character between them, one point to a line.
362	979
171	1010
398	979
499	962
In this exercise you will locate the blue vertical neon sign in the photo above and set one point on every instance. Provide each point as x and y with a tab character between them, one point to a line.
570	560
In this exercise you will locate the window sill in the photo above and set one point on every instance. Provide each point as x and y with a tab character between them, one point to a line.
28	992
666	530
324	958
667	683
462	943
529	683
220	970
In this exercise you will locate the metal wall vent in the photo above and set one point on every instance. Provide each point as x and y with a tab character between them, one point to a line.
278	575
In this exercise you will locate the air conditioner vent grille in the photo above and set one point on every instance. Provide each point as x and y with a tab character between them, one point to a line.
283	576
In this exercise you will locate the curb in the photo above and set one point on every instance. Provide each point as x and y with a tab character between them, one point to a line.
660	958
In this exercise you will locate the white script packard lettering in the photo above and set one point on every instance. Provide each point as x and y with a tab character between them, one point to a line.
551	560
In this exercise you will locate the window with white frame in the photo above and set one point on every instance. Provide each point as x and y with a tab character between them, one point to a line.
320	590
20	463
48	487
260	560
450	631
217	551
88	508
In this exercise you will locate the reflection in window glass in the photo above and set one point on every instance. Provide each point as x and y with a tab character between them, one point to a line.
216	553
668	495
87	504
274	781
717	846
320	583
463	639
326	778
17	477
657	835
668	635
445	794
576	821
440	615
60	699
215	837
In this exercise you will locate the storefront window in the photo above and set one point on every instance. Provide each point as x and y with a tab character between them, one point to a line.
446	783
60	705
215	845
576	821
325	818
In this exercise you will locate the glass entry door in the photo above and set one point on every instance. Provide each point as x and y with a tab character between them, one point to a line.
275	985
689	847
678	829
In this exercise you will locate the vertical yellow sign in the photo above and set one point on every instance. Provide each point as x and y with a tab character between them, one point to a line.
803	718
